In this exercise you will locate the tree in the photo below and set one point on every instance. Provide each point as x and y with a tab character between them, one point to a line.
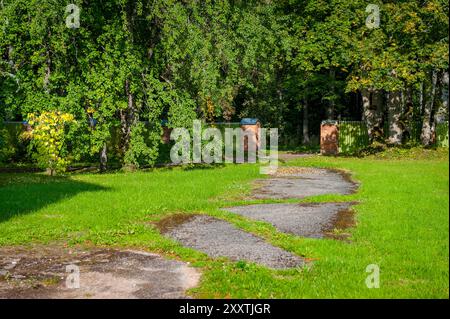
131	64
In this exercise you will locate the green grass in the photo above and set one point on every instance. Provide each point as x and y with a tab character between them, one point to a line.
403	224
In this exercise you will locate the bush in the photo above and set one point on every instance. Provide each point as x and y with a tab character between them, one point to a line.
2	144
8	149
47	139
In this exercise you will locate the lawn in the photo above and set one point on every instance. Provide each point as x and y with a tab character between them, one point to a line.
402	224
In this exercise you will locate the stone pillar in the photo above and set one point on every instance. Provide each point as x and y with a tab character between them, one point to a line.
329	138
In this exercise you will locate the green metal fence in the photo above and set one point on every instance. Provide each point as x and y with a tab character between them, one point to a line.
442	134
353	136
414	131
14	149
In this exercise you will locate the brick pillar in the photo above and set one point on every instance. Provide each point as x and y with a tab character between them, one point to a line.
166	135
254	136
329	138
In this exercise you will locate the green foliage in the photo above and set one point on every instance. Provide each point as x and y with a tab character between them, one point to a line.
12	148
214	60
5	149
400	52
144	146
182	114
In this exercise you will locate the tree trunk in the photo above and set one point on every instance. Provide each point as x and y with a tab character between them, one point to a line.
445	83
48	72
305	124
365	93
103	159
373	113
442	108
124	130
128	118
421	99
439	111
408	115
426	136
395	112
331	103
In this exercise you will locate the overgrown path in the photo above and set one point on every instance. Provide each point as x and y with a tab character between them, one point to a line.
219	238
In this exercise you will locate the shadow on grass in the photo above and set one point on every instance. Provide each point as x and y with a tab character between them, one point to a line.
25	193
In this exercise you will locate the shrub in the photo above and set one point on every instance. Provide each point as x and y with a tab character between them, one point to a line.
2	143
47	139
7	149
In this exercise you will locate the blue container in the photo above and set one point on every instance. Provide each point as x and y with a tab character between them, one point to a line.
92	122
249	121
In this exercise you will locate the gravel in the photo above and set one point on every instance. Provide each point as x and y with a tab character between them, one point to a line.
303	183
306	220
218	238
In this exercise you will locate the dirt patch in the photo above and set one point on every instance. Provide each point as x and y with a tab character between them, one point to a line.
166	224
344	220
346	176
41	272
292	170
290	156
315	220
218	238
